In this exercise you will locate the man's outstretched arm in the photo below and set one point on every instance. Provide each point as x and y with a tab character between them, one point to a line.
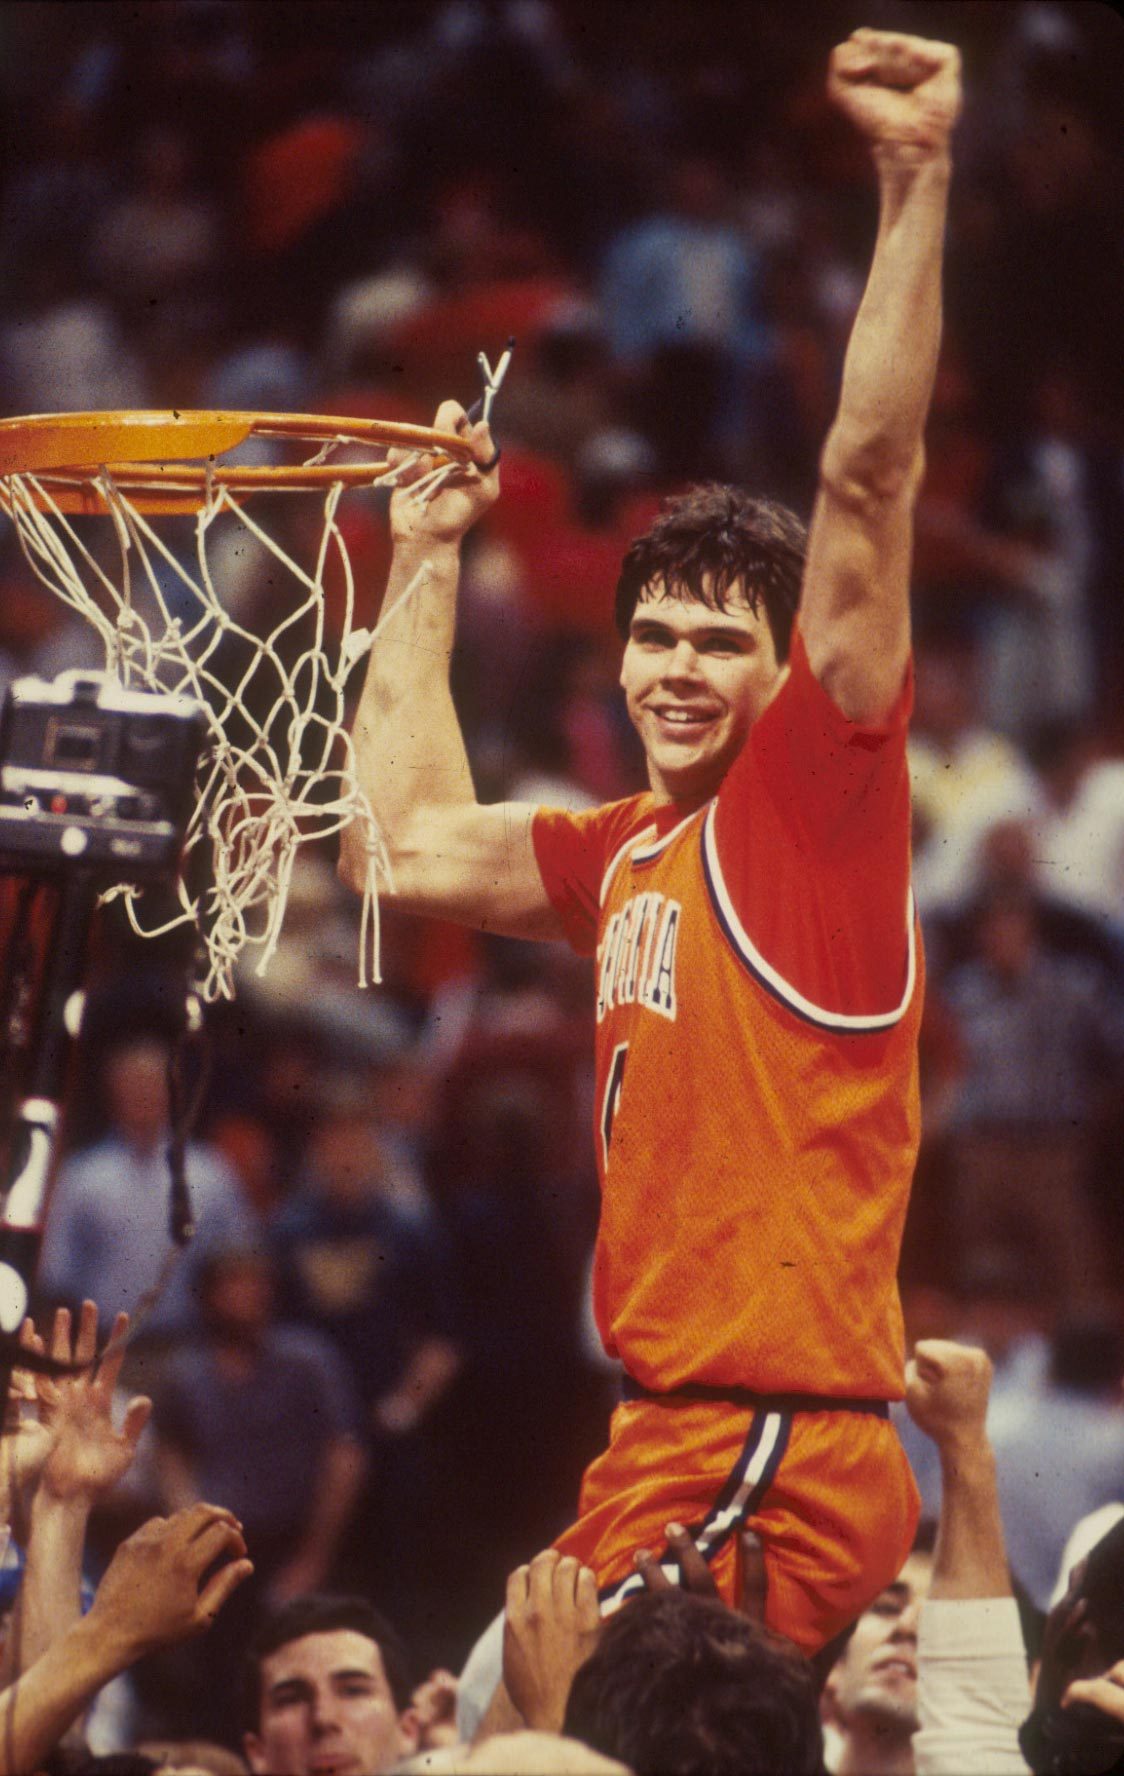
903	94
450	855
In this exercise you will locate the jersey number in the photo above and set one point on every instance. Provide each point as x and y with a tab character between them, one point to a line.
612	1098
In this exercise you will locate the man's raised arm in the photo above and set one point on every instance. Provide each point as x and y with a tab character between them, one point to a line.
449	855
903	94
972	1690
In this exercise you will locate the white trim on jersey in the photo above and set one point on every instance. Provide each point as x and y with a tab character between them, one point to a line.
775	982
774	1425
644	852
767	1430
637	838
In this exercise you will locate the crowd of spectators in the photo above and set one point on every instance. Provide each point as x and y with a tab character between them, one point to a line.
214	204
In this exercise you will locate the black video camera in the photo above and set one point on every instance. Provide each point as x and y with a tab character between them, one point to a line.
95	776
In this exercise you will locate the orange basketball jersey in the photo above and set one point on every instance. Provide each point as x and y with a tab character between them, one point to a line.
758	997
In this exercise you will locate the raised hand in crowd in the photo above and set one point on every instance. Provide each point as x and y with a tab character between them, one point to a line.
902	93
65	1454
1078	1718
59	1430
434	1707
85	1455
1105	1692
947	1388
972	1692
947	1391
1096	1709
166	1582
697	1576
159	1586
552	1622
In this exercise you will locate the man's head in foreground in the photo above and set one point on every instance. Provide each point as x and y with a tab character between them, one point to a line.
872	1690
705	604
680	1684
328	1691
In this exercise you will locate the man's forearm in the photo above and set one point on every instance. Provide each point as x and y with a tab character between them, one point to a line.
970	1557
50	1595
875	444
409	748
36	1712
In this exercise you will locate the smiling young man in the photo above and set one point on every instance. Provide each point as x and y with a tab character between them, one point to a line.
757	966
328	1692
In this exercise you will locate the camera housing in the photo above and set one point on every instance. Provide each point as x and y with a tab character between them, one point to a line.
96	776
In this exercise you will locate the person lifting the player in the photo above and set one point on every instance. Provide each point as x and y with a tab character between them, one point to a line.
758	967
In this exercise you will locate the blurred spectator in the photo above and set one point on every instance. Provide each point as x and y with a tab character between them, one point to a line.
574	750
960	456
311	977
264	1419
569	549
561	396
508	1173
1059	1449
1043	1049
374	1279
296	178
354	1266
1036	641
108	1230
966	778
493	278
158	244
1078	837
682	308
999	1308
62	348
54	196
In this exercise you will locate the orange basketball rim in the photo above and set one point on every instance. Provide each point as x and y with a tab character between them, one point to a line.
172	462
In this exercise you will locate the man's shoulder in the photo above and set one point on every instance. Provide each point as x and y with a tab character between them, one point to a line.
604	828
623	808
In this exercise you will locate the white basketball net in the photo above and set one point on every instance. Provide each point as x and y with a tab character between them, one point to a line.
294	779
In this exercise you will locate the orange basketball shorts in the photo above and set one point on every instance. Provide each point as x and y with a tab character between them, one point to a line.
829	1493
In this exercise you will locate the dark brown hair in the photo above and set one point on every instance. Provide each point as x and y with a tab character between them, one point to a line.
707	540
319	1612
681	1686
